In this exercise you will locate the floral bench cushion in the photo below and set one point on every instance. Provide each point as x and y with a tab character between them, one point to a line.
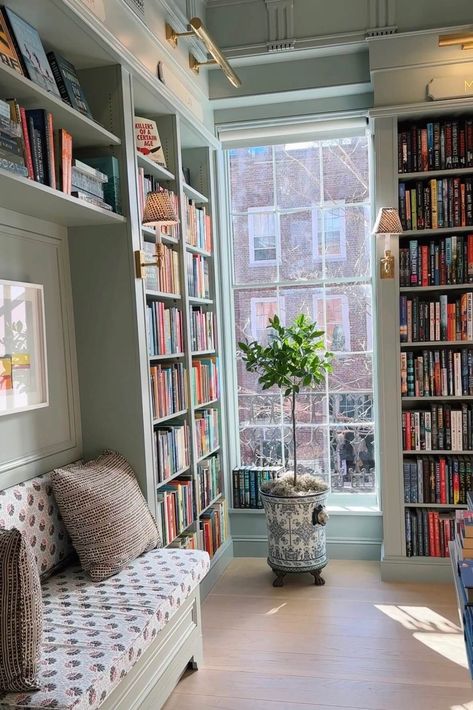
31	508
94	632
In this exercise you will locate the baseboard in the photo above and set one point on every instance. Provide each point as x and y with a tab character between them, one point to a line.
219	563
437	570
361	549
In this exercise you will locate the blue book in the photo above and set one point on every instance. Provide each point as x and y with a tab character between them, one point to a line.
466	576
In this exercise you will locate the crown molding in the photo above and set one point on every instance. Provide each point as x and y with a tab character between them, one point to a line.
223	3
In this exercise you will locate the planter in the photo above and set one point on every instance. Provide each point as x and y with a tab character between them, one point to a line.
296	534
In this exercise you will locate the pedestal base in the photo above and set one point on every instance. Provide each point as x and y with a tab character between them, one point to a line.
319	581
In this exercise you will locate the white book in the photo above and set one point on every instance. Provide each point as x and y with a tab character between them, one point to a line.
428	430
457	371
437	320
469	316
432	321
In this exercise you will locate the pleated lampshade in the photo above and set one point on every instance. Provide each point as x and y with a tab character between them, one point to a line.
159	209
388	222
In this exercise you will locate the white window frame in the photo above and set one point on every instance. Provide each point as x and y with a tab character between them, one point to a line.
319	213
281	310
345	314
251	237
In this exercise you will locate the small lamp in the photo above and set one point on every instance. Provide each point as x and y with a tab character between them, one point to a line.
387	223
159	210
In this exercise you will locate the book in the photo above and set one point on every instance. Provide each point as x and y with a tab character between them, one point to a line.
68	83
41	139
466	575
31	52
8	53
109	166
147	140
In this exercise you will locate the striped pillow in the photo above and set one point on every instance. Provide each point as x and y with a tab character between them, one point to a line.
21	613
105	514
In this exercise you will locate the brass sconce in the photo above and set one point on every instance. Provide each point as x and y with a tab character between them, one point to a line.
198	29
464	40
387	223
159	210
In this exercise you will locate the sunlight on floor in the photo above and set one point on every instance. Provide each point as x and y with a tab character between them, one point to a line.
275	609
465	706
434	631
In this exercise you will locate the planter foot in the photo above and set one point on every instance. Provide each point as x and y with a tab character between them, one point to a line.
279	581
318	579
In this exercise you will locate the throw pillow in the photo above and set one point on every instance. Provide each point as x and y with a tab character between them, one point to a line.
105	514
21	613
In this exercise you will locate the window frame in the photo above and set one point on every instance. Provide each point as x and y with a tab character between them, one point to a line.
345	314
319	213
252	211
280	308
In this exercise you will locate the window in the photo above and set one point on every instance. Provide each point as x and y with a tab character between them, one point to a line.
302	211
263	238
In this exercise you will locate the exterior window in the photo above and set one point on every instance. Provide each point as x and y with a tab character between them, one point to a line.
301	213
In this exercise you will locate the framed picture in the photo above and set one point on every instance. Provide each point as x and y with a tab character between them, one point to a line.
23	365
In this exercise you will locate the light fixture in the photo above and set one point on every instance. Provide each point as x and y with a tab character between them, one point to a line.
387	223
197	28
465	40
159	210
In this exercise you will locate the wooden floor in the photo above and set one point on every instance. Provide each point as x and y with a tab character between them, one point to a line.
355	643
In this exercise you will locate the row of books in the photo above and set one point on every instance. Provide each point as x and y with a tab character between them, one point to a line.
165	276
22	50
186	541
435	204
199	229
435	145
209	482
198	276
445	319
164	329
214	527
202	329
437	373
447	260
205	380
246	482
441	480
172	450
443	428
168	389
206	431
428	532
176	507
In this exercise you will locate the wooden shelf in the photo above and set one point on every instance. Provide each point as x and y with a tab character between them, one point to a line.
426	175
85	132
32	198
433	232
149	235
198	250
200	301
194	194
163	295
424	289
174	356
152	168
181	413
215	500
446	506
447	398
436	452
171	478
181	532
207	404
437	344
209	453
200	353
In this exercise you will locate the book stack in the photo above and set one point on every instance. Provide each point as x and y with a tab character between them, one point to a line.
164	329
176	507
206	431
444	319
172	450
441	480
108	167
87	184
199	229
12	153
428	532
198	276
164	276
247	481
436	203
214	527
205	380
209	478
202	329
168	389
435	145
185	541
445	261
443	428
437	373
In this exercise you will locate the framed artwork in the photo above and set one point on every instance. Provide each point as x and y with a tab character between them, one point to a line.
23	365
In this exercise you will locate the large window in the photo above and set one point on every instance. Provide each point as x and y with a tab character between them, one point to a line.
300	228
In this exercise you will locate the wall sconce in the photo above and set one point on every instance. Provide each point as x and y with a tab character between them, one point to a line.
387	223
159	210
197	28
464	40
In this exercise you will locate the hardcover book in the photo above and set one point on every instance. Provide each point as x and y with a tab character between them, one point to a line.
68	83
8	55
147	140
29	47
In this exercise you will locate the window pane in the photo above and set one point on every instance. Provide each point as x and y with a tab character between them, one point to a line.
245	272
347	242
345	170
298	231
251	178
297	170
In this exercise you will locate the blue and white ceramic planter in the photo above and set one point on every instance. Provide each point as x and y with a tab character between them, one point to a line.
296	534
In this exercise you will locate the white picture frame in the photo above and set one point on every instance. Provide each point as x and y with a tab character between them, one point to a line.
23	356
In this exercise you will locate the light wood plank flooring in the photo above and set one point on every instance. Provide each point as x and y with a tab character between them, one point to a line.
355	643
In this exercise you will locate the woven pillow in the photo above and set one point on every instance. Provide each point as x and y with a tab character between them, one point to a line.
105	514
21	613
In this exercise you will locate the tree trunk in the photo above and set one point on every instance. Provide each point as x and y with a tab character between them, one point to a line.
293	414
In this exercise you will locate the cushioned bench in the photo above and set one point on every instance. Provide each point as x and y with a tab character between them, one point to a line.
120	643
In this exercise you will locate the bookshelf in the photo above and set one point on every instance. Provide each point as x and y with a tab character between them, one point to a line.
423	373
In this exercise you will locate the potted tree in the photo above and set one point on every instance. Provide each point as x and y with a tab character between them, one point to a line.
294	504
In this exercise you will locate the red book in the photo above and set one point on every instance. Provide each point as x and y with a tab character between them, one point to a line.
50	150
431	534
424	261
408	432
424	153
470	257
443	482
462	205
456	486
26	143
446	532
436	524
63	171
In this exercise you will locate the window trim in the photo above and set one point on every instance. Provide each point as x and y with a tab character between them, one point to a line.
319	212
280	309
252	211
345	314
